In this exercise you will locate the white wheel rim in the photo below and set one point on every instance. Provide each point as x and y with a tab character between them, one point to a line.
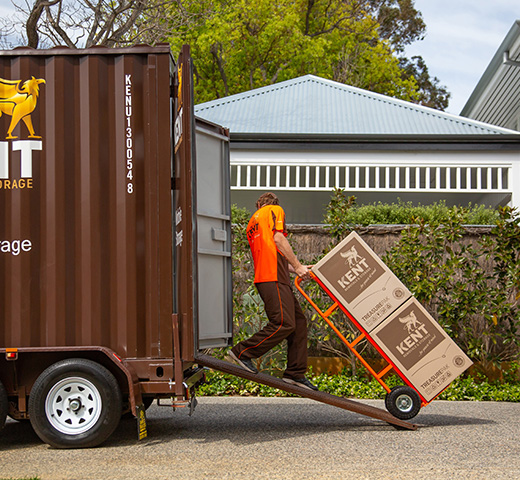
73	405
404	403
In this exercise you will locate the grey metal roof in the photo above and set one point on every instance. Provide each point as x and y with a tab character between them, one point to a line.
496	98
311	105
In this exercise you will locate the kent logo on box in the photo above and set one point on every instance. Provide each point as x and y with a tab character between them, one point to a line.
356	277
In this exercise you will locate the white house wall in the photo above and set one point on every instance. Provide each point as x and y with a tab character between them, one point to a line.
477	177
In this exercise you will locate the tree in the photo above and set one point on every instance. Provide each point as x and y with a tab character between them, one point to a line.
239	45
431	94
399	22
84	23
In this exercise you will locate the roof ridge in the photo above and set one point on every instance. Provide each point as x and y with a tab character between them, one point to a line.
294	106
253	93
325	82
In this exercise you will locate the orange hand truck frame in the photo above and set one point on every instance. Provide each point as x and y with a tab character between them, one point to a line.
403	401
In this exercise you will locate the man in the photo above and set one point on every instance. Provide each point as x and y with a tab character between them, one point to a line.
273	259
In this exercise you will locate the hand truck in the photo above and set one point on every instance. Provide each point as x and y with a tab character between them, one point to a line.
403	401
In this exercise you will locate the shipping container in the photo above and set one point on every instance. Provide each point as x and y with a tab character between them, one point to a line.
114	222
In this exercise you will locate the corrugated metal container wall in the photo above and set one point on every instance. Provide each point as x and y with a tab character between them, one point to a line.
85	210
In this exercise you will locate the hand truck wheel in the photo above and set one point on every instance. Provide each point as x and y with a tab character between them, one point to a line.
403	402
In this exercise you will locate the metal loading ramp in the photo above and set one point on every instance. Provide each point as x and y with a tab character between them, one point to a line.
341	402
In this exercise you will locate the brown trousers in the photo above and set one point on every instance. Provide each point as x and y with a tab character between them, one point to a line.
286	321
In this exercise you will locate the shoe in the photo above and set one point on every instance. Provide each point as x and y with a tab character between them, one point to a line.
245	363
300	382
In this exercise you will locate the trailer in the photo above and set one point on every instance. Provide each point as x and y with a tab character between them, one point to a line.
115	242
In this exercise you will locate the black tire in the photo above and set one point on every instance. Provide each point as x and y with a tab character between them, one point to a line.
403	402
4	405
75	403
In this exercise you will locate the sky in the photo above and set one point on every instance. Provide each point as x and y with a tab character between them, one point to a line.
461	38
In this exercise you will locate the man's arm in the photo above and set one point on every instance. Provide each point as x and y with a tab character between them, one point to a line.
284	246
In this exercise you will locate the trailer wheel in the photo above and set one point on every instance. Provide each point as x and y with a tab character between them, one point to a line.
403	402
4	405
75	403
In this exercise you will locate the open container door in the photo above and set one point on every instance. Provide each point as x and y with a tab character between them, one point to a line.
215	284
203	278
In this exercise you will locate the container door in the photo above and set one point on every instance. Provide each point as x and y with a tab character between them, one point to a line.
214	274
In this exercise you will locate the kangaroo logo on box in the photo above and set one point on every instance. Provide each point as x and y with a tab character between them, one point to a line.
410	336
410	321
351	257
351	270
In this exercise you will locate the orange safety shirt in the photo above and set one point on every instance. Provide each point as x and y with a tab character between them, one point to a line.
270	264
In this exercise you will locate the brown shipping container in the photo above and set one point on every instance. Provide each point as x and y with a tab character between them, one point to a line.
86	199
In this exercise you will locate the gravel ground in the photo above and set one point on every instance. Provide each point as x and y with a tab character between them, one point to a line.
283	438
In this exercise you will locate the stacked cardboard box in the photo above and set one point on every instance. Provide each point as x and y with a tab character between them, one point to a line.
414	342
361	282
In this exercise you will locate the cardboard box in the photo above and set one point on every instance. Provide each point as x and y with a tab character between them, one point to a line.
361	282
420	349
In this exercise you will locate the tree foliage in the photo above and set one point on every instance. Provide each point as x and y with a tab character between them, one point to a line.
239	45
431	93
399	22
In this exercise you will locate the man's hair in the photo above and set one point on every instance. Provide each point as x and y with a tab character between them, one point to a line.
268	198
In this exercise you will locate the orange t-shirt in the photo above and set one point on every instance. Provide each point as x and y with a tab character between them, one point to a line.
270	264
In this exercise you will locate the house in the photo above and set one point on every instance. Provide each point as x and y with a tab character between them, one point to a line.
304	137
496	98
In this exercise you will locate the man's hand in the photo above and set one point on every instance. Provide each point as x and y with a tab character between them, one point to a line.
303	271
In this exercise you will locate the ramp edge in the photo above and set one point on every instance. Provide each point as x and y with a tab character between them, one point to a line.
319	396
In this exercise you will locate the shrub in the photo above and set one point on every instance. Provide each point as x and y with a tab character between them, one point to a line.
343	214
477	306
472	289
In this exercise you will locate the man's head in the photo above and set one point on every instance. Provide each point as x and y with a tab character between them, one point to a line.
267	199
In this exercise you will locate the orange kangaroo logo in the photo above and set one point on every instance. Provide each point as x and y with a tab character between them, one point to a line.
19	102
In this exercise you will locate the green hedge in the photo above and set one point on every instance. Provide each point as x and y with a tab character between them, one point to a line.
343	213
471	288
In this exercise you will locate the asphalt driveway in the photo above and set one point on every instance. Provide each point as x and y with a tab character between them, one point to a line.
284	438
